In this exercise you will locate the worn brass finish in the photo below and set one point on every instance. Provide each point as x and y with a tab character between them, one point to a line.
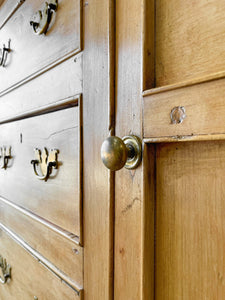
5	270
117	153
178	114
46	161
5	155
135	155
41	20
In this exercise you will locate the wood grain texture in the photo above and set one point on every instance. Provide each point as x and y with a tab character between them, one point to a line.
204	105
29	277
148	223
30	52
98	103
61	82
58	199
128	184
63	253
190	39
190	221
148	44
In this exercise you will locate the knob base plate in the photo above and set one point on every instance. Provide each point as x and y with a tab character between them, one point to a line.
134	161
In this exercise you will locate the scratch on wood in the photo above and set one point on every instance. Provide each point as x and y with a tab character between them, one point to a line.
60	131
129	206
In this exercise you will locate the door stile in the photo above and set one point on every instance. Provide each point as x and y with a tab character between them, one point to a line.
98	108
134	55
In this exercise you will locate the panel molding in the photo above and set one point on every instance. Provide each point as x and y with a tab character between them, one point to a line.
5	9
204	109
57	105
40	72
42	260
59	230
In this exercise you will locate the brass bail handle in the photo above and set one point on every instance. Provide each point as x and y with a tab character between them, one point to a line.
45	161
42	19
5	270
117	153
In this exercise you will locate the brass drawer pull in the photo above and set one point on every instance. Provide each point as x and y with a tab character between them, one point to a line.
5	270
4	53
41	20
46	161
5	155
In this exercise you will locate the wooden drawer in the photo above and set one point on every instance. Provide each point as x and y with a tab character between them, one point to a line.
58	199
32	54
55	88
7	9
29	276
57	246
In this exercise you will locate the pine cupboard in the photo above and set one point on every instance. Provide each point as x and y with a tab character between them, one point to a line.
77	76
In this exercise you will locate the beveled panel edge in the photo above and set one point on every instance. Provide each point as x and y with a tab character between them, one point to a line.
41	259
41	71
185	138
80	166
57	229
54	106
11	13
195	81
198	100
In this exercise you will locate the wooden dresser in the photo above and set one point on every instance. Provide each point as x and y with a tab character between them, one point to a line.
41	251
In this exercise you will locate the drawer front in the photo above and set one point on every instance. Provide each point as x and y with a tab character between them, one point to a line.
7	9
31	53
58	198
56	246
54	90
30	279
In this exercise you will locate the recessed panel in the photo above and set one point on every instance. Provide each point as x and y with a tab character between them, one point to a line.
190	40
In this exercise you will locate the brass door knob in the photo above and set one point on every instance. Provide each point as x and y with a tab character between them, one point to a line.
117	153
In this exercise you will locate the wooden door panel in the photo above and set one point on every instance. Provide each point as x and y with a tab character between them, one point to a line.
190	39
204	110
190	220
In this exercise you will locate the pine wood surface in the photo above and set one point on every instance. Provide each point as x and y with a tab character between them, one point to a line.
62	39
128	184
61	82
63	252
57	199
98	103
29	277
190	220
204	108
189	40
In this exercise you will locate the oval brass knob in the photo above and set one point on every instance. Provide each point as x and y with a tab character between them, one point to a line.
117	153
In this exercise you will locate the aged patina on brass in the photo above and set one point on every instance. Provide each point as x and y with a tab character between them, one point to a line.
5	270
41	20
45	161
117	153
